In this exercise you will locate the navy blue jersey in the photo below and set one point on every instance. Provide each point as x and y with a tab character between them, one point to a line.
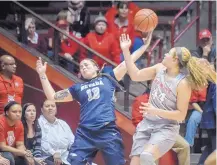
96	98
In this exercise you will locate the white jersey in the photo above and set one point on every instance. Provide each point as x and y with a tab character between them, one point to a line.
163	94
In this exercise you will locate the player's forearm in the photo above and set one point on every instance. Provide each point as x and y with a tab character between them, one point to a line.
48	89
122	68
171	115
130	65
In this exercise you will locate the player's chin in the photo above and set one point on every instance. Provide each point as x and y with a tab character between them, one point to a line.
164	63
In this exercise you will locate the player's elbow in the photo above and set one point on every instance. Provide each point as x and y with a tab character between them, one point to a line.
134	77
181	116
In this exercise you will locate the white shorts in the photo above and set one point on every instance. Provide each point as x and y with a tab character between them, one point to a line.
151	132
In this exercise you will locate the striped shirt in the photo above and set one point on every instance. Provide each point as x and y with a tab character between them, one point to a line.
163	94
35	147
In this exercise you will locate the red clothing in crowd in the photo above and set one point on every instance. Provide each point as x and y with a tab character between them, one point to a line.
112	12
11	134
136	115
114	29
110	16
197	96
10	90
104	44
69	46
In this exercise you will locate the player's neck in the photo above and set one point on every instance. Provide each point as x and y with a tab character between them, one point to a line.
94	76
172	72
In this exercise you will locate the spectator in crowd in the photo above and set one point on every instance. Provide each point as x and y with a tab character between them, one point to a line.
136	115
121	23
81	17
208	121
102	42
62	16
34	39
54	146
32	133
197	101
69	49
112	12
11	86
181	147
4	161
12	136
206	47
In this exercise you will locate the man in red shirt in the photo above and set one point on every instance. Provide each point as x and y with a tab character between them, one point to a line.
11	86
12	136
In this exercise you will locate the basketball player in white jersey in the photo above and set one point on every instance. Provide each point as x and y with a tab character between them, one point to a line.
173	80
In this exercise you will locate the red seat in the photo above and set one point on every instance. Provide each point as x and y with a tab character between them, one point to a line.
170	158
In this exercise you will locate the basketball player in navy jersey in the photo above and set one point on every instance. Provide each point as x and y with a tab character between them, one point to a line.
97	130
170	93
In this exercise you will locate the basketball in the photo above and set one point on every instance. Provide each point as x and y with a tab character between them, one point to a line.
145	20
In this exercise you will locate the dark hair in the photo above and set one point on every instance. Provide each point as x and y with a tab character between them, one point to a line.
99	74
121	4
9	105
215	63
35	125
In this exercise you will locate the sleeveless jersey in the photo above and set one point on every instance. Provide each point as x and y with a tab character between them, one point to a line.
163	94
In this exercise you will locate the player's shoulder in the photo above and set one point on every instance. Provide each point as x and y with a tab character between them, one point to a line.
184	84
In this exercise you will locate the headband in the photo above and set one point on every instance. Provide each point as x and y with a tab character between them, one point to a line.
179	55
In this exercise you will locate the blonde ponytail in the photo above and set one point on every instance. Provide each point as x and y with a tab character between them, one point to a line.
199	71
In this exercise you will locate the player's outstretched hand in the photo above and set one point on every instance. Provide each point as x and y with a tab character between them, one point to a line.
125	41
40	67
147	39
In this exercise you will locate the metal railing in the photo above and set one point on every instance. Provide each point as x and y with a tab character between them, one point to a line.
189	25
210	15
56	42
159	44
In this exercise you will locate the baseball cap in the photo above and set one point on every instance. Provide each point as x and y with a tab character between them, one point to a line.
205	34
100	18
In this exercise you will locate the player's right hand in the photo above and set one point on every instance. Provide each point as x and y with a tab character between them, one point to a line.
147	39
40	67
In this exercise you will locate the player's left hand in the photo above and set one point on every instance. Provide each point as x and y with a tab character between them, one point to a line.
147	108
125	41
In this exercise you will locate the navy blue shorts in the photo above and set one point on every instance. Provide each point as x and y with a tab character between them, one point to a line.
88	142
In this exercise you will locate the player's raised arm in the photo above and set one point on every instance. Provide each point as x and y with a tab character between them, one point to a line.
61	96
136	74
121	69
